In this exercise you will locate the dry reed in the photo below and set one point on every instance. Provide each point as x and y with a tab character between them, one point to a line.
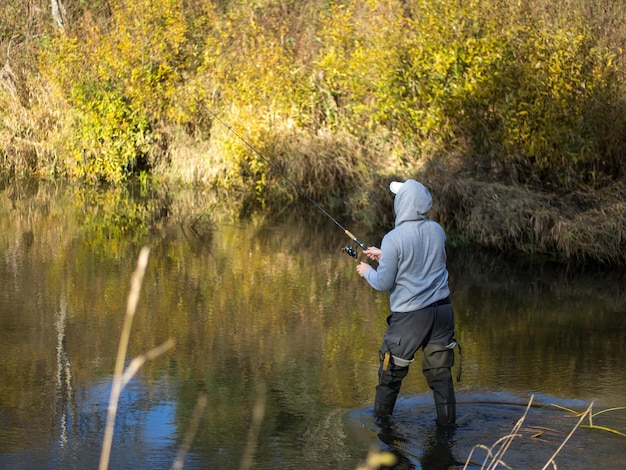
121	377
496	452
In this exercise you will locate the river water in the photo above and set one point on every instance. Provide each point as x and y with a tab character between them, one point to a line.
278	336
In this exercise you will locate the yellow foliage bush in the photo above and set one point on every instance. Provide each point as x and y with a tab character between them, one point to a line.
120	75
526	89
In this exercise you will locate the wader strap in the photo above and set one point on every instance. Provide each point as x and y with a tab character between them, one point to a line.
458	374
386	359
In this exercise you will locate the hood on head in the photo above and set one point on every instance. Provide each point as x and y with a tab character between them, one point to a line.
412	202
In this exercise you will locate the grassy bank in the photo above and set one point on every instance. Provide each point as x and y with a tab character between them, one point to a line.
514	114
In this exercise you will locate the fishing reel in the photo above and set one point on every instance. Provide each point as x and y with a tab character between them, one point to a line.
350	250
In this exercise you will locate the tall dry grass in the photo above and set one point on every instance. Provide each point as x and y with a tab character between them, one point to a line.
27	115
496	453
30	119
587	226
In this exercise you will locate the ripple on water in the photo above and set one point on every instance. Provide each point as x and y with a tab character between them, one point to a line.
486	419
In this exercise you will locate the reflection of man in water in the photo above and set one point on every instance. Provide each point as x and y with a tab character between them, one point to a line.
412	267
437	453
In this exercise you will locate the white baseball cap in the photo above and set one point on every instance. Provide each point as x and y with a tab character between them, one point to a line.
395	186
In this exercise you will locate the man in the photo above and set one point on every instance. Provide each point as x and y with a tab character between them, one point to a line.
412	267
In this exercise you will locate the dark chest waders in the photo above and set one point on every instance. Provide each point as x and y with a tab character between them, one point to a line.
390	377
437	361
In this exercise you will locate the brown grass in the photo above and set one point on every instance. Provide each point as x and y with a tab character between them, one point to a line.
589	226
496	453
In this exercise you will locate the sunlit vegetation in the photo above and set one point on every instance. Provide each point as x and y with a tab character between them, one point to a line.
341	96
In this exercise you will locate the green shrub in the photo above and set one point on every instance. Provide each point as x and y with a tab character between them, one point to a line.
121	76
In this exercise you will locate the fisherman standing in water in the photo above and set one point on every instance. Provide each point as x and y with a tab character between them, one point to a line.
412	267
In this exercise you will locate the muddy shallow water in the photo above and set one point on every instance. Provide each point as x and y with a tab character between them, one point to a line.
276	320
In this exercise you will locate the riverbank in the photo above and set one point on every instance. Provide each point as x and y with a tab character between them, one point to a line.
513	114
585	225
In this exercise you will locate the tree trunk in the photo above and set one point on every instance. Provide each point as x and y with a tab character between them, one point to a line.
57	13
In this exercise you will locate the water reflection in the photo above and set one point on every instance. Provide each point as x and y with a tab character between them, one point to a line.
436	453
485	421
250	303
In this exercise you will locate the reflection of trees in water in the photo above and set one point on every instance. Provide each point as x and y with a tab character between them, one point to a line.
59	214
64	389
308	230
543	326
277	303
475	269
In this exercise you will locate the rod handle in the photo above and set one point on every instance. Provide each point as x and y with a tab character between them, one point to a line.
355	239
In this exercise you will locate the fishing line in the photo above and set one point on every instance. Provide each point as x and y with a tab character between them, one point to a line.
348	249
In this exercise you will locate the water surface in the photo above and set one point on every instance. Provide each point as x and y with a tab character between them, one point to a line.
277	316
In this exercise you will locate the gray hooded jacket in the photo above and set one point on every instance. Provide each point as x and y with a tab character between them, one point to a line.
412	265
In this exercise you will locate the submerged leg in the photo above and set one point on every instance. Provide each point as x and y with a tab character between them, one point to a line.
436	363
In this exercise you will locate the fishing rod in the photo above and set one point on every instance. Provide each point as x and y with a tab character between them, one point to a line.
348	249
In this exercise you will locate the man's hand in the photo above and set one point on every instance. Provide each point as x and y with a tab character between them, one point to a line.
362	268
372	253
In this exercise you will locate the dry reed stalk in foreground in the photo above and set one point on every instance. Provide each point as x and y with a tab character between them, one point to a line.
592	415
505	442
377	459
121	377
582	417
